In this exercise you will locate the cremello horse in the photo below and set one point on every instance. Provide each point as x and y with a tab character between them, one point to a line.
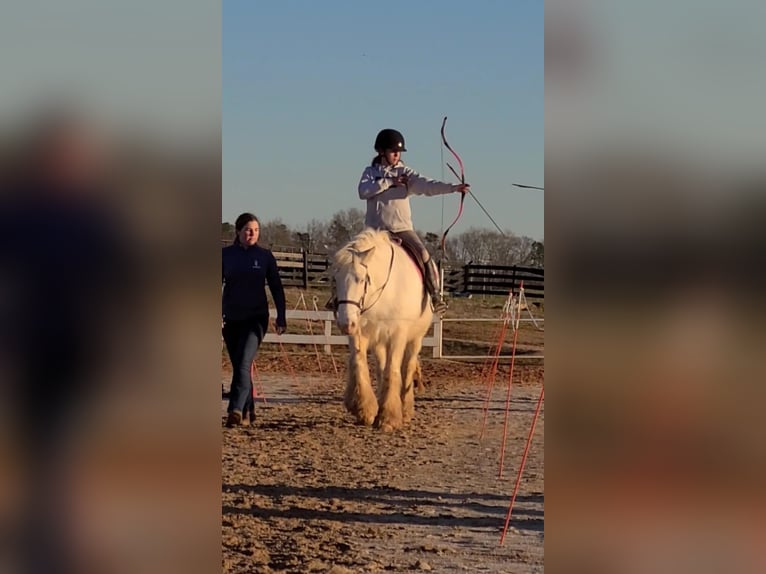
381	306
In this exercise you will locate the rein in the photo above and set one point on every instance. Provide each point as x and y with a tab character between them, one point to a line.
360	303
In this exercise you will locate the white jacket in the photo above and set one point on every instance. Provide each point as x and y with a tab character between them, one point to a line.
388	205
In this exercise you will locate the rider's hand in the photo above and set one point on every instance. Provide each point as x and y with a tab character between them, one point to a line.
463	187
402	179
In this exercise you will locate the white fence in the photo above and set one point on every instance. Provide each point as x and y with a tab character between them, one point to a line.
327	339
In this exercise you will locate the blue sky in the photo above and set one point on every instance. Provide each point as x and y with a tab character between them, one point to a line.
307	85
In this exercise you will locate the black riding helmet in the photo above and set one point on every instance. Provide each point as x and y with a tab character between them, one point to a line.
389	139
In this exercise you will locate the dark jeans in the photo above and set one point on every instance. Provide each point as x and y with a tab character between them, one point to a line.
242	340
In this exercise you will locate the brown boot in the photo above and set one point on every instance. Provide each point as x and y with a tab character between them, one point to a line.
432	284
439	304
234	419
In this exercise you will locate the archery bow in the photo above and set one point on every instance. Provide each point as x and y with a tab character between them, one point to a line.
460	176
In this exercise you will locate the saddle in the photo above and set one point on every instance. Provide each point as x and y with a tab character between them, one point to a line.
414	253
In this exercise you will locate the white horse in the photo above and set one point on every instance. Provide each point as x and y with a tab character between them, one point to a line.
382	306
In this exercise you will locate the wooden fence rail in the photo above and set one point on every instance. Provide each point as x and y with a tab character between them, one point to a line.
303	269
499	279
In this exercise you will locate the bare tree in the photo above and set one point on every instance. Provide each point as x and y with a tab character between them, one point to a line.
432	242
476	245
227	231
343	226
537	255
490	247
319	233
275	233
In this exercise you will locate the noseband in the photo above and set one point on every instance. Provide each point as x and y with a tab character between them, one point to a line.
360	303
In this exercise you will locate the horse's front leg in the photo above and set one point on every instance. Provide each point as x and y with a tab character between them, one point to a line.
381	359
410	366
359	398
390	414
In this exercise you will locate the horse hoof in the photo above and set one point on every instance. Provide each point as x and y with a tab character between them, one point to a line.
387	425
366	421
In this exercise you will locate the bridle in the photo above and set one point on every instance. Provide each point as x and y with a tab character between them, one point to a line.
360	303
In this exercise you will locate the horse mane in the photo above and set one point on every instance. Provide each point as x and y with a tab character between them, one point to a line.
363	241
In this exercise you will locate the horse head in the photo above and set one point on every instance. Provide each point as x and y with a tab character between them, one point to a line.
352	283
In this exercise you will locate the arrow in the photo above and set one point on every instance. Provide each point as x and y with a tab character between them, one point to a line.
528	186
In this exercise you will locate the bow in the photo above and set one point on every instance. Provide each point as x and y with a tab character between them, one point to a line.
461	177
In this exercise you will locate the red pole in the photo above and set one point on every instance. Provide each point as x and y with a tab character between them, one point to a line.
311	332
523	462
510	383
493	367
284	356
491	376
257	377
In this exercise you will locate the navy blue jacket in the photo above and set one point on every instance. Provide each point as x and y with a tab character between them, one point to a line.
245	274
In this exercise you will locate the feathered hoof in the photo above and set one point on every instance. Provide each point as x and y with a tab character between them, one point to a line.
367	413
366	420
388	423
408	411
364	416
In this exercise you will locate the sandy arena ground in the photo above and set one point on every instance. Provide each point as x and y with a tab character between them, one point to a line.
307	490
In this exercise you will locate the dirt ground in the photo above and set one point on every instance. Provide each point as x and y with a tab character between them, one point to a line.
306	490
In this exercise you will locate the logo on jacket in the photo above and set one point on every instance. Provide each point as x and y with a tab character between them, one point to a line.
256	265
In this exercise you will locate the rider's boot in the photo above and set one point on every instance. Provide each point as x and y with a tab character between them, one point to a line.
432	284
